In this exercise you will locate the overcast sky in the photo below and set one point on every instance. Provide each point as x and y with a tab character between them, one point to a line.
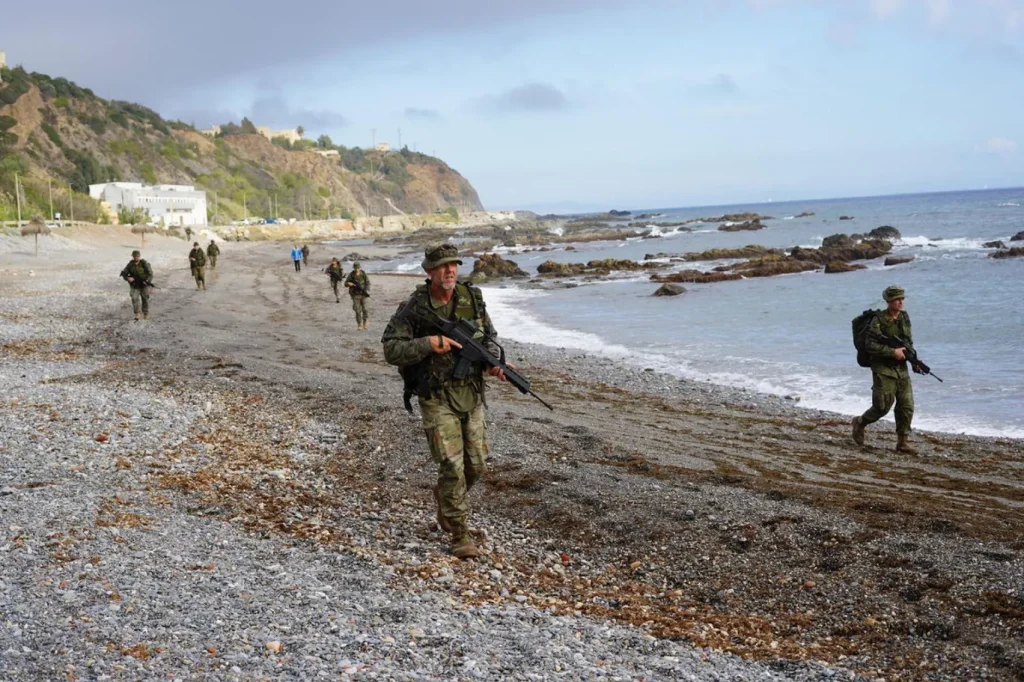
573	104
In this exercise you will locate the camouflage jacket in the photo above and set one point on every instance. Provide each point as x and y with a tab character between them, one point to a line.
213	249
196	257
406	344
359	278
335	272
883	358
140	271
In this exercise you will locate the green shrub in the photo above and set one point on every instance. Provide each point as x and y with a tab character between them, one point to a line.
148	173
61	102
132	216
52	133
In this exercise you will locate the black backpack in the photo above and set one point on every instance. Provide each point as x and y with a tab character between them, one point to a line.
860	327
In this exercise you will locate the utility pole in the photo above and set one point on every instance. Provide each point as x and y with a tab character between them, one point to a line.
49	184
17	193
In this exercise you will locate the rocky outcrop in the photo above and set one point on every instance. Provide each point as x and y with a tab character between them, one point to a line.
556	269
867	249
804	214
1019	237
697	277
898	260
670	289
837	241
754	224
846	217
595	267
839	266
769	267
885	232
994	245
491	266
1015	252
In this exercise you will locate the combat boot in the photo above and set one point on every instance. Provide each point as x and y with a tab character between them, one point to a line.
464	548
136	317
858	431
904	445
441	520
145	316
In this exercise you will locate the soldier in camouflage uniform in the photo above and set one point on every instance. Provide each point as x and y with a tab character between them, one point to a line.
335	272
452	410
212	251
889	376
197	263
139	276
358	285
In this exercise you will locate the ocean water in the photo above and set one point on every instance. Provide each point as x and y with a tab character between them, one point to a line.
790	335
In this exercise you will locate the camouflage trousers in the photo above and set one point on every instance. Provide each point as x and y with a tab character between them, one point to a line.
199	272
213	261
458	444
886	390
140	300
359	305
334	288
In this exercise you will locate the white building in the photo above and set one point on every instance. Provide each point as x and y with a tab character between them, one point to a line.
170	205
291	134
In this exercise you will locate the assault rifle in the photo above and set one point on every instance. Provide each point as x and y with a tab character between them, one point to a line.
358	288
473	351
908	352
140	283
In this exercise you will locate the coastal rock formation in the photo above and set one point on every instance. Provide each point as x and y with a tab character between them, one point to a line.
867	249
804	214
697	277
556	269
1019	237
994	245
492	266
669	289
885	232
749	251
1015	252
835	266
898	260
769	267
754	224
846	217
837	241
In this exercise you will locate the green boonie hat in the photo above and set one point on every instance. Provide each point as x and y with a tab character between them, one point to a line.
136	252
439	254
355	265
892	293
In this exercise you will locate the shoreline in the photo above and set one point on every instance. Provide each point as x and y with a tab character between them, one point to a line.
256	456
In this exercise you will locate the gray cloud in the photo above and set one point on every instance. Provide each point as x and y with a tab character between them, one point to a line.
226	39
273	110
423	114
528	97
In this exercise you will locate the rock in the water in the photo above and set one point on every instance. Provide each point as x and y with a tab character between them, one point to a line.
885	232
670	289
754	224
804	214
994	245
837	241
846	217
835	266
493	266
1015	252
1019	237
898	260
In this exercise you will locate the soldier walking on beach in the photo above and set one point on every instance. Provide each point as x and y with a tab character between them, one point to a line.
297	258
335	272
305	254
358	285
212	251
139	276
188	233
890	380
197	263
452	410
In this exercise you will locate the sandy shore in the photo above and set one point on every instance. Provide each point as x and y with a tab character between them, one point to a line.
249	441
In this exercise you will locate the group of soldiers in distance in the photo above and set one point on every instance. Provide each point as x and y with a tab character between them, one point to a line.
139	275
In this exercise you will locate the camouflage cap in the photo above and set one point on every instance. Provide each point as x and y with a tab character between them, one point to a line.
436	255
355	265
892	293
136	252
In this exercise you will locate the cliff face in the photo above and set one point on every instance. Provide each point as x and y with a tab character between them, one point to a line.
53	130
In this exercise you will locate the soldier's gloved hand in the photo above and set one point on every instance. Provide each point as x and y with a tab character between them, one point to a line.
917	369
442	344
130	279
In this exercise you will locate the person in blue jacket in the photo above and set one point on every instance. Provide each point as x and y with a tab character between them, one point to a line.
297	258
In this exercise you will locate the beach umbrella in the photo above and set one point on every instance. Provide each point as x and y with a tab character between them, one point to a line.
143	230
35	227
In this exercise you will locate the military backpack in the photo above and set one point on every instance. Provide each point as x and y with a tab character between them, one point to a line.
860	325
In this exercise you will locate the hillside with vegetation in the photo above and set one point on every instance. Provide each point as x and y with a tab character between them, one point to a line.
59	138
